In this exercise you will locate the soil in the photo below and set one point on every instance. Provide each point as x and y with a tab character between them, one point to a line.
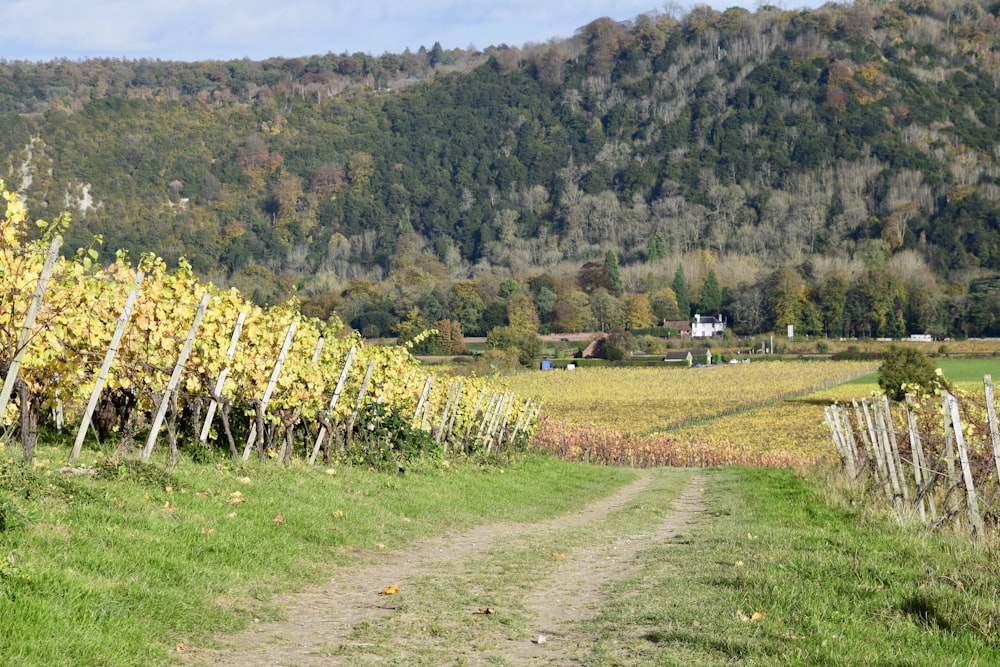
320	624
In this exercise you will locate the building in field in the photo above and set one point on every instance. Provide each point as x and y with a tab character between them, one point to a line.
688	357
707	326
683	327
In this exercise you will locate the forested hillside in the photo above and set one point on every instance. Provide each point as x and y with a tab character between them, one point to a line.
837	169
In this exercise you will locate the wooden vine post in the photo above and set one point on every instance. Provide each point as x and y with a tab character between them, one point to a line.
866	441
991	417
262	409
174	381
894	449
877	448
975	518
109	357
29	325
333	402
357	406
919	466
949	456
221	382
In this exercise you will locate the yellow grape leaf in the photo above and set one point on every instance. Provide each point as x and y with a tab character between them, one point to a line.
758	616
390	590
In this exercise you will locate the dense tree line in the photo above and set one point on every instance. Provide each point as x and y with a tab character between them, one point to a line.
838	166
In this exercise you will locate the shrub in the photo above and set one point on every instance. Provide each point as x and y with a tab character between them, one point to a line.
905	370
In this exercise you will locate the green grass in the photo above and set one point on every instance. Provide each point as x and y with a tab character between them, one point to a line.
956	370
970	370
773	575
115	569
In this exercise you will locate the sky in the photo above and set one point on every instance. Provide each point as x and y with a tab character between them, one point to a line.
191	30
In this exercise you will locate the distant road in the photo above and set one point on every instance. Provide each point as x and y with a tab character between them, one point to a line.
571	337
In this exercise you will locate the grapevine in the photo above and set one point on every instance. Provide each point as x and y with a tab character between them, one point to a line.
74	328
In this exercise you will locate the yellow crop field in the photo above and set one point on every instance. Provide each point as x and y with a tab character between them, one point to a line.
648	400
792	428
767	414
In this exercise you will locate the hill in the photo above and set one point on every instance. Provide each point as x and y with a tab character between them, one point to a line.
835	168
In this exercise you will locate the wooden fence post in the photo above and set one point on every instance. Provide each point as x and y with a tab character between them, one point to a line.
109	357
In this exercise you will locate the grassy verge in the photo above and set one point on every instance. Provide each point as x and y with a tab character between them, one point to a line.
113	568
774	575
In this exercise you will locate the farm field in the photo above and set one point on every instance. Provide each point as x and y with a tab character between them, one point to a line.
643	401
762	414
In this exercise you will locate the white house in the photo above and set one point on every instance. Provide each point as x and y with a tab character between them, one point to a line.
708	326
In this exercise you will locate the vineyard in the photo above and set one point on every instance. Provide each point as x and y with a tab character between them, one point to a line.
760	414
123	354
934	459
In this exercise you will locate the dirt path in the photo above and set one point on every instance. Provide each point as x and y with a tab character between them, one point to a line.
322	626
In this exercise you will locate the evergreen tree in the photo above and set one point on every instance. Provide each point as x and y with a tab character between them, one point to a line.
656	247
711	294
681	292
611	266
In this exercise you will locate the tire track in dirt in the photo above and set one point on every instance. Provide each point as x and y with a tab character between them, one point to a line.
326	615
575	592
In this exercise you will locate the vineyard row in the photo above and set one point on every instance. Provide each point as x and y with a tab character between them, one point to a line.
934	461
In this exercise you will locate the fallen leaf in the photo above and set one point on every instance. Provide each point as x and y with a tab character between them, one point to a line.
237	501
558	555
207	531
169	506
279	519
181	647
485	610
758	616
338	513
390	590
